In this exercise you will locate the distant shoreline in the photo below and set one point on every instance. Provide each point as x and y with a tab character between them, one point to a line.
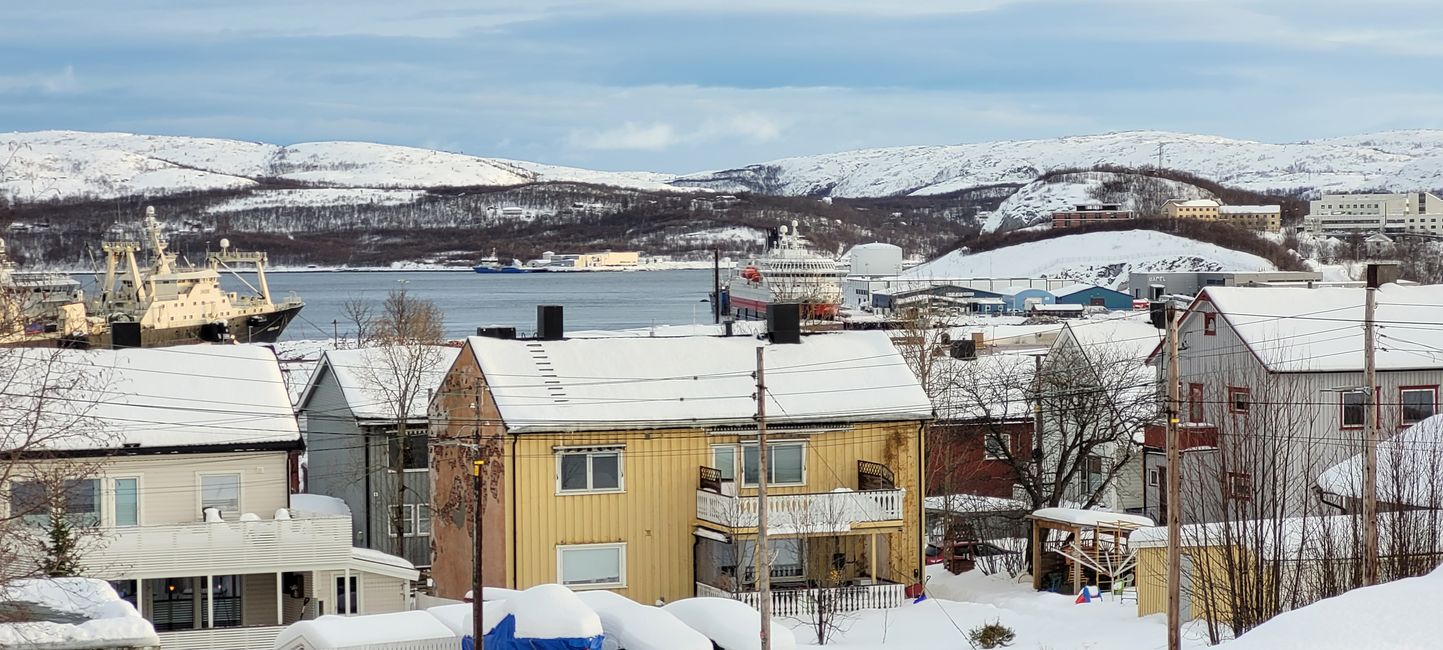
675	266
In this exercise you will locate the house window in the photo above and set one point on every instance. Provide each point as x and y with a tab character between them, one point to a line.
126	589
1210	324
1419	403
724	459
346	598
220	491
786	558
411	448
591	565
1153	477
589	470
1239	399
78	501
786	464
126	502
1239	486
28	502
1092	476
1194	402
1353	407
415	520
997	446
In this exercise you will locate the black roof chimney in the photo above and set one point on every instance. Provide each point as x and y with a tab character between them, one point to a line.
784	323
548	323
497	332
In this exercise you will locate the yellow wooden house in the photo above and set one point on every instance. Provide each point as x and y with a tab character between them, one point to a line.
630	464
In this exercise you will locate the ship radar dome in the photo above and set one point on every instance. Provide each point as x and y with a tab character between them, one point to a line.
224	243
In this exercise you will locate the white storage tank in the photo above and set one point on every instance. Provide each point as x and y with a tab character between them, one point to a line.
875	259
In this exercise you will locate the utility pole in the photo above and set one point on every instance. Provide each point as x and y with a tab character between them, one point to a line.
716	304
1037	418
478	472
764	569
1370	431
1174	489
1160	145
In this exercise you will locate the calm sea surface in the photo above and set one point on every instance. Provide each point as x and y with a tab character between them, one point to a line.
595	300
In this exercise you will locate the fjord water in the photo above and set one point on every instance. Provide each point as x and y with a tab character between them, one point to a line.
592	300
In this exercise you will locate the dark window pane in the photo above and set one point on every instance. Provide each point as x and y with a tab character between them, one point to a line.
749	465
786	462
605	471
27	499
82	501
1417	405
573	471
1353	409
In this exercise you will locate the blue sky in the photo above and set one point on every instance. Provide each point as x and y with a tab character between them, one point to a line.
687	85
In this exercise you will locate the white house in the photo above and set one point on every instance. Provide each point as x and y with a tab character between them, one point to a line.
186	465
1272	390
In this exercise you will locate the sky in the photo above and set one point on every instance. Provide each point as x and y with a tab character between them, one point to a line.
690	85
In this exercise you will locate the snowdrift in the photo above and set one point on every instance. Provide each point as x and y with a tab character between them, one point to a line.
731	624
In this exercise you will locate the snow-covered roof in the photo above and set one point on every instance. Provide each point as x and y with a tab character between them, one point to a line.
1250	209
370	377
1091	518
1294	538
1058	308
186	396
1399	614
383	563
1410	468
1130	337
1078	288
70	613
1195	203
1295	329
627	383
991	387
972	503
1016	289
320	504
333	631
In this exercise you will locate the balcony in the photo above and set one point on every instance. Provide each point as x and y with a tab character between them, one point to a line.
304	542
842	511
222	638
803	602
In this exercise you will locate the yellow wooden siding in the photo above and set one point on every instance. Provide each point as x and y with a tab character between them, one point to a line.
656	514
1152	581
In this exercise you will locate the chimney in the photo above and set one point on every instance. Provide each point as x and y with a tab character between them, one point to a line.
548	323
784	323
497	332
1381	273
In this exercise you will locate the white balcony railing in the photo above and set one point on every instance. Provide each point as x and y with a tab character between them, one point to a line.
800	603
225	547
221	638
801	514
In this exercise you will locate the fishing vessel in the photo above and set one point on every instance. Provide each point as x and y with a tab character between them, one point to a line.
165	302
789	271
492	264
36	308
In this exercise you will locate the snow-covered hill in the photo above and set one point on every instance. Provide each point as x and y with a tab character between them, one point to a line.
1102	258
1403	160
66	164
1034	203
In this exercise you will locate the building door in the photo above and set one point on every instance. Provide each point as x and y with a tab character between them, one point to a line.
1097	301
1185	588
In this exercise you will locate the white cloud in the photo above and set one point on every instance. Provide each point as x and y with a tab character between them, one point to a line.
60	82
754	127
629	136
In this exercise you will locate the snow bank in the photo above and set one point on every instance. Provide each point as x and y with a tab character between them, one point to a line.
731	624
1399	615
633	626
320	504
413	628
106	621
545	612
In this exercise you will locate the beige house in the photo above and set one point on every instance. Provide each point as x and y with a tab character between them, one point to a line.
1265	218
630	464
1203	209
185	459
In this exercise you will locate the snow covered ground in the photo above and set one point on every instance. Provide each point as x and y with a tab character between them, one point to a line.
1101	258
1401	615
1040	620
1034	203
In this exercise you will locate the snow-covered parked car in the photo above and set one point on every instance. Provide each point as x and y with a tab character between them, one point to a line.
629	625
731	624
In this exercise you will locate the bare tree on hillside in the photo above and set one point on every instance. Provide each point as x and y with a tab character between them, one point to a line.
403	358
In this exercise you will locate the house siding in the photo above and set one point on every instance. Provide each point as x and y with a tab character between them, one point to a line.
336	460
656	514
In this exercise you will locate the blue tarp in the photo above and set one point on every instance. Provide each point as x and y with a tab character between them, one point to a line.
503	637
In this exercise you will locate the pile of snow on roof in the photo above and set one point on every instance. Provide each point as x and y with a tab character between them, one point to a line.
65	613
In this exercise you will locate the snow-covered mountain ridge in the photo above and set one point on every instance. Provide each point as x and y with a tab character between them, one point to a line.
71	164
1401	160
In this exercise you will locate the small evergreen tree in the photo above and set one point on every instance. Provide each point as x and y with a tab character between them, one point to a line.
62	547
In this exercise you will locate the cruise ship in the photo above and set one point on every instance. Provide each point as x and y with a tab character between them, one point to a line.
790	271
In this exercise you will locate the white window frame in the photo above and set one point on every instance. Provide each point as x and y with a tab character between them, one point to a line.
988	439
411	512
620	547
109	491
589	451
739	473
200	491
